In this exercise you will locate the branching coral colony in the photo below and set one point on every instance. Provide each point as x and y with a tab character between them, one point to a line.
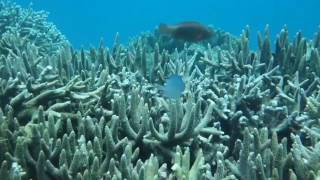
97	114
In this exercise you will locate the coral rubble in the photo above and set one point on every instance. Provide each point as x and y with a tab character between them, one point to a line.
97	113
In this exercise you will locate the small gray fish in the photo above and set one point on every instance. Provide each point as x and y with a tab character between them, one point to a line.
173	87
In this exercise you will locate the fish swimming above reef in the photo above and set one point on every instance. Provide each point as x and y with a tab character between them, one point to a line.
173	87
187	31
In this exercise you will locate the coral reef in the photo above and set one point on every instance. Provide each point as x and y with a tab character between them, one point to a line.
97	113
20	27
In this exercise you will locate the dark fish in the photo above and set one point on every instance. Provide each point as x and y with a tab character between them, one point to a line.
187	31
173	87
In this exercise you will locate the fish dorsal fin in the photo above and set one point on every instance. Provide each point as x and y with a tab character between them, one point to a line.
189	23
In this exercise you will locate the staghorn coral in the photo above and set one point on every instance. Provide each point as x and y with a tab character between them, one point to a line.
20	27
92	114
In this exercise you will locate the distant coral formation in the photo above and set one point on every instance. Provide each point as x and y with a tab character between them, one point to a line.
97	113
20	27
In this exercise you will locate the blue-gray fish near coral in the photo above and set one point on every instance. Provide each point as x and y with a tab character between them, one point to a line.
173	87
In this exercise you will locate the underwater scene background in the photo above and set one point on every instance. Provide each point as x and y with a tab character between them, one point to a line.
154	90
86	22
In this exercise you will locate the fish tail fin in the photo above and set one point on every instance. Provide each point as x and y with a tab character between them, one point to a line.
164	28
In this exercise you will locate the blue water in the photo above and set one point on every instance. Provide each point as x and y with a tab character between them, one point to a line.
84	22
